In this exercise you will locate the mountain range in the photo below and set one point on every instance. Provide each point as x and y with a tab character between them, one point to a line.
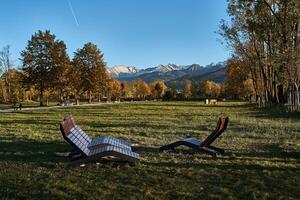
171	72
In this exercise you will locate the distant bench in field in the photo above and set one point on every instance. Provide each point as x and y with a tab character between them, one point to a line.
211	101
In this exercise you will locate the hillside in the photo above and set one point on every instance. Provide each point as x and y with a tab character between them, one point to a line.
171	72
216	76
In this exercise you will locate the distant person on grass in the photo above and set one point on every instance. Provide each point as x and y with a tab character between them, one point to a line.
15	107
20	106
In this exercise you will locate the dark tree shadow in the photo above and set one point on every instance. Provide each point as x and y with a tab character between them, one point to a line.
33	151
277	112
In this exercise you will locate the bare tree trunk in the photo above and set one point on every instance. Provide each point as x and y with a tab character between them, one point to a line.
42	88
61	96
90	96
5	65
41	97
7	81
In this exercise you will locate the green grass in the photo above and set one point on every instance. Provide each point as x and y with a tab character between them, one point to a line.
262	159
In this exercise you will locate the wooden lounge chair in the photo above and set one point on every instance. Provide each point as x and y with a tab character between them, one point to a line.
202	146
86	149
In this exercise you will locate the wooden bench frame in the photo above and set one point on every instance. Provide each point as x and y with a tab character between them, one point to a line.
205	145
96	151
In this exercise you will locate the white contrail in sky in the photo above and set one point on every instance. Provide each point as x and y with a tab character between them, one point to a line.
73	13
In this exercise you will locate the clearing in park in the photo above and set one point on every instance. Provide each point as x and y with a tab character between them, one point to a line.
261	153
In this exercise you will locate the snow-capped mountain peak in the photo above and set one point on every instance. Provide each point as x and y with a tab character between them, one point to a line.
119	69
193	67
167	68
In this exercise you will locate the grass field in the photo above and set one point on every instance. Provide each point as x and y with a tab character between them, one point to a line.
262	159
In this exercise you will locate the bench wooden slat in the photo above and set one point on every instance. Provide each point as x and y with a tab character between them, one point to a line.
105	146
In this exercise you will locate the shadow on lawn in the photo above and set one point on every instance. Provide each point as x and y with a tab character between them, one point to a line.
223	166
266	153
32	151
47	155
38	152
274	112
269	151
30	122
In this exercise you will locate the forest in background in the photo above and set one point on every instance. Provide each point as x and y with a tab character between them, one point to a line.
48	74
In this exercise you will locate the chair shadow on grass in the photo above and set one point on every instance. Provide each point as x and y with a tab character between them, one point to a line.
55	152
145	150
268	153
45	154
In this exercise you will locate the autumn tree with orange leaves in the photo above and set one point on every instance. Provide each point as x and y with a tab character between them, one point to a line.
238	83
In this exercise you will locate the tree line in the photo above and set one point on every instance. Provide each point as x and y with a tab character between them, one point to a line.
264	36
192	89
47	73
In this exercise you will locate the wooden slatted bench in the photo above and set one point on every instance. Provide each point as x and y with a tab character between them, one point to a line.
204	146
88	149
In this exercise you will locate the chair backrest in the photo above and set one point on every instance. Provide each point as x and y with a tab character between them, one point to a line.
219	123
216	133
67	125
74	135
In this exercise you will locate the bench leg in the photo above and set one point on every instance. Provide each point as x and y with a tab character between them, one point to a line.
169	146
73	153
220	151
207	151
166	148
76	157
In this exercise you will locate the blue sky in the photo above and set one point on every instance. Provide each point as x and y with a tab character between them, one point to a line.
141	33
